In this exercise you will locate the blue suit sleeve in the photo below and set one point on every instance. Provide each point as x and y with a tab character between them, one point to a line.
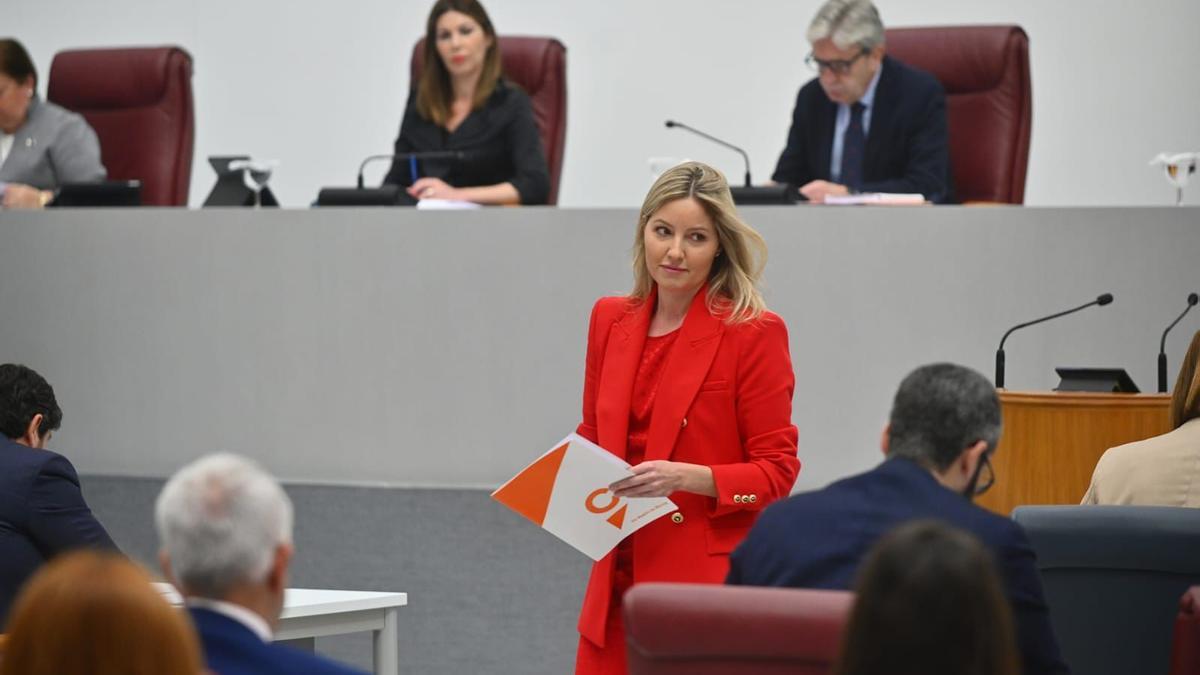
792	167
1035	636
59	518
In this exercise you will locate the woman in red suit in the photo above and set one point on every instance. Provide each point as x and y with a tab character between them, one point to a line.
689	380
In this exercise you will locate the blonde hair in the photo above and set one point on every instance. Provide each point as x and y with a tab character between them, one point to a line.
733	279
91	613
434	92
1185	399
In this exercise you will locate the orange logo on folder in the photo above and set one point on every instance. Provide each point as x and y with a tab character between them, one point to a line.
565	492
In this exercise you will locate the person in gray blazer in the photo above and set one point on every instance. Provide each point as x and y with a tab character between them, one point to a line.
42	145
1163	470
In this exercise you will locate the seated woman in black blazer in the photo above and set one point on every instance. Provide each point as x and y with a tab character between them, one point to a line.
461	104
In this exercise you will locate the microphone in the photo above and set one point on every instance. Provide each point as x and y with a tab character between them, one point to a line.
1101	301
671	124
452	155
1162	354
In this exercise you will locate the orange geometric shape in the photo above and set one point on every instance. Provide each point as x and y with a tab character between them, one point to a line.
528	493
590	502
618	519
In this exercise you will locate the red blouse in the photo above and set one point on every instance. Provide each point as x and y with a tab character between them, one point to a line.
641	406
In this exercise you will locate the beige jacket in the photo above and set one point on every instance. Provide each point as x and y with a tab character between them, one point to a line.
1159	471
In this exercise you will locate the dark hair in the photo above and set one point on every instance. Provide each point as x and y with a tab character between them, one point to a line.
940	410
434	93
23	394
1185	399
929	602
15	61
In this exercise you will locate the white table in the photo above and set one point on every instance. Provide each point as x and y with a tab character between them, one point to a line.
309	613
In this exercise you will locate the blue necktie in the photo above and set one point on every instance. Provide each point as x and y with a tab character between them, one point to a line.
854	142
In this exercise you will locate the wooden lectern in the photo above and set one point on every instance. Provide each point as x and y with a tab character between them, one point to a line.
1052	441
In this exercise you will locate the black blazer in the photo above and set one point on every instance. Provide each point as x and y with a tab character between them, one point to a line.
500	143
907	146
818	539
42	513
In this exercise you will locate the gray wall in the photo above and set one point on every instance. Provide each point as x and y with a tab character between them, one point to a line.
322	85
392	347
487	592
370	356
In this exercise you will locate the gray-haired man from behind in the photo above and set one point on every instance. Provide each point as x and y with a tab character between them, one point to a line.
225	527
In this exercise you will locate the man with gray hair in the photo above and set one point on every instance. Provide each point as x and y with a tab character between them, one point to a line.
866	123
225	527
944	425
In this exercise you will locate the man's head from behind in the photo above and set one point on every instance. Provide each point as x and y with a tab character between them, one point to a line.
29	412
225	527
847	48
946	418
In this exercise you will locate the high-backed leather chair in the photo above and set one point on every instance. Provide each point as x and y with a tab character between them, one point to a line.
1185	646
139	101
985	71
539	66
1113	576
704	629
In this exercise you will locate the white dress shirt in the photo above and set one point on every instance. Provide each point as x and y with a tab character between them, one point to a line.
843	123
240	614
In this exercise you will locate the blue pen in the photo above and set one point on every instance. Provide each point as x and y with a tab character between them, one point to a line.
412	167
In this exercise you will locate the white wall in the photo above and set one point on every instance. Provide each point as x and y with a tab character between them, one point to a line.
320	85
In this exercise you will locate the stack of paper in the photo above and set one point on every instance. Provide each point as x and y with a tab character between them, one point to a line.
886	198
565	491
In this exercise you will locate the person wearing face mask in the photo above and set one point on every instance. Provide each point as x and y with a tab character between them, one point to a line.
689	380
461	103
944	425
867	122
42	145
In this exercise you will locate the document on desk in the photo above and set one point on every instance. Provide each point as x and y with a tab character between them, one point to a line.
881	198
565	491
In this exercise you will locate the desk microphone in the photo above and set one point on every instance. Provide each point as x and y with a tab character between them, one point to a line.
453	155
671	124
1162	345
1102	301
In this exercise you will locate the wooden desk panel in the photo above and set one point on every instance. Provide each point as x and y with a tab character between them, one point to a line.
1052	441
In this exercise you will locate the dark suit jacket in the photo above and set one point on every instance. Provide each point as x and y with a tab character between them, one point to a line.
500	143
233	649
42	514
907	145
817	540
724	401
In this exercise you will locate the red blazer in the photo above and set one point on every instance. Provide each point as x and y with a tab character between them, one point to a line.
725	401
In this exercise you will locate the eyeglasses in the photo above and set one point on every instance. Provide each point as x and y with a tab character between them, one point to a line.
985	475
837	66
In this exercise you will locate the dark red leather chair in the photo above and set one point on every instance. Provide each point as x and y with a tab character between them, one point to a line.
539	66
1185	647
703	629
139	101
985	71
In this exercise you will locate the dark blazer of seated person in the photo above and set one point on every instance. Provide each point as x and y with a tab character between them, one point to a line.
819	539
907	148
42	513
232	648
499	143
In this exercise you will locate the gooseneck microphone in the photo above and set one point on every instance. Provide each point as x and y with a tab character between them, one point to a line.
1101	301
1162	345
410	156
671	124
